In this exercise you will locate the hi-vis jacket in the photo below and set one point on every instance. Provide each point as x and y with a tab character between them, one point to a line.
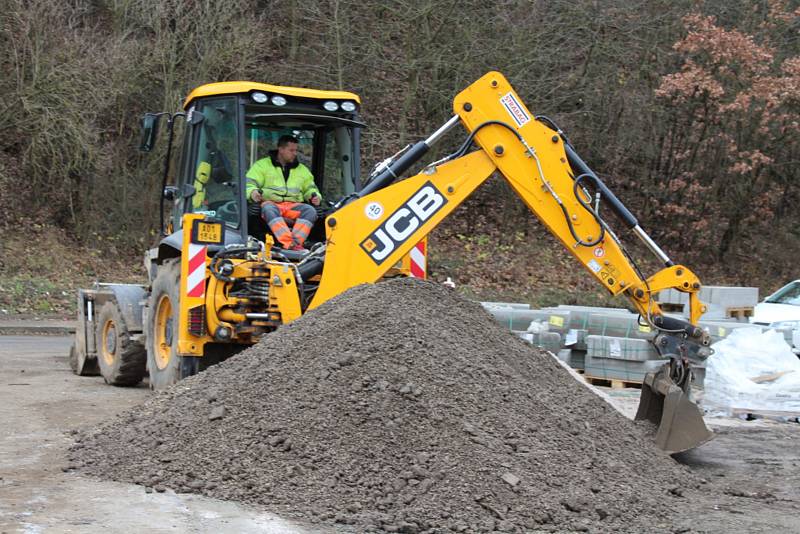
294	183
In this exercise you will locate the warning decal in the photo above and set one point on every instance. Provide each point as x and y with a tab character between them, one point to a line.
515	109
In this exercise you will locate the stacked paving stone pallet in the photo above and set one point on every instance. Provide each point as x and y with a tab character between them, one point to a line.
612	343
605	343
721	302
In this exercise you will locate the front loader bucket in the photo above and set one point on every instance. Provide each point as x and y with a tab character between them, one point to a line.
679	420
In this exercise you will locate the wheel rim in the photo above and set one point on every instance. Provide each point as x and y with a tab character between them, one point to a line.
163	341
109	336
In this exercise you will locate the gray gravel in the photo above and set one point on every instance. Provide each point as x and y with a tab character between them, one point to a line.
397	407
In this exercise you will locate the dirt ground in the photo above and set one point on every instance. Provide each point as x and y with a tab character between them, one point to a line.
752	469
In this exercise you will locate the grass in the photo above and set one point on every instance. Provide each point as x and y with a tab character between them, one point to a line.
41	269
25	293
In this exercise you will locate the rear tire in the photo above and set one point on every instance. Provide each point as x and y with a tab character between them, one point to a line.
163	363
121	361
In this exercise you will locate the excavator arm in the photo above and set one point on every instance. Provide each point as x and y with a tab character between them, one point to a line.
372	231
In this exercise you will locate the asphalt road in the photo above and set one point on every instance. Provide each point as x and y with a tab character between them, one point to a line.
41	401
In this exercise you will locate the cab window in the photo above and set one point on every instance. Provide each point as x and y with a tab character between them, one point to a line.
215	177
326	149
339	180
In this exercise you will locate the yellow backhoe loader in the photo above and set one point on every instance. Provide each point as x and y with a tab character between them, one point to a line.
218	284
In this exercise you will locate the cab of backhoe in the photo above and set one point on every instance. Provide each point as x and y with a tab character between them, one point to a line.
231	125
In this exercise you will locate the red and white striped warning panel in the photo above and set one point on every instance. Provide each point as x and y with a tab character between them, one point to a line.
196	279
418	259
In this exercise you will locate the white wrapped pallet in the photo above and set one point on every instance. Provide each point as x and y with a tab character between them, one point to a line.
750	372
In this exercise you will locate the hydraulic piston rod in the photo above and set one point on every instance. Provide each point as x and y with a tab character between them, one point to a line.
616	205
407	159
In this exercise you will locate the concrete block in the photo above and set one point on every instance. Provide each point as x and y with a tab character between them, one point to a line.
613	369
699	373
619	348
578	359
575	338
574	358
733	297
720	329
618	325
515	305
720	300
671	296
579	316
520	319
544	340
593	309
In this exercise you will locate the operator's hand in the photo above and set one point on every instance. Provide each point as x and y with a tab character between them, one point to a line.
314	199
256	196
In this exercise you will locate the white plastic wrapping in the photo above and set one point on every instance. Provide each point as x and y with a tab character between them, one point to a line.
752	370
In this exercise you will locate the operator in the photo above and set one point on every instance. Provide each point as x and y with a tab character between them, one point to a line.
281	184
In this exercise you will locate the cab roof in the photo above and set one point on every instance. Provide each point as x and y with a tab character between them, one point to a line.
227	88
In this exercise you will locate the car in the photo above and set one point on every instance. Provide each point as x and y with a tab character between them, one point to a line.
781	309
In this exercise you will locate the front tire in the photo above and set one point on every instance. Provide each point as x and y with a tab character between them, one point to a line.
164	364
121	361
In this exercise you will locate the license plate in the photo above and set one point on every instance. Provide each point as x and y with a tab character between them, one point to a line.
206	233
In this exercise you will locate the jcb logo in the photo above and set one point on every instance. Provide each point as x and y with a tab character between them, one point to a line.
395	230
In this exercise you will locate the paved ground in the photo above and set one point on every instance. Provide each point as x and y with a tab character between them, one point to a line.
10	326
40	402
752	469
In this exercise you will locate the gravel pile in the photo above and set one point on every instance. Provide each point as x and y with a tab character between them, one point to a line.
397	407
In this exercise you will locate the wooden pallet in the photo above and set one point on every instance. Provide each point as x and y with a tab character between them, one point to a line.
732	313
612	383
739	313
767	414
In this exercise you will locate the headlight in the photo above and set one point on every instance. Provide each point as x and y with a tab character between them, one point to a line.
785	324
278	100
259	98
330	105
348	106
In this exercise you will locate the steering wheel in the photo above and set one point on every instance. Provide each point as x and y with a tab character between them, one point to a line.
229	211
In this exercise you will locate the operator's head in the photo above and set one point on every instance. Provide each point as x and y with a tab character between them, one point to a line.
287	149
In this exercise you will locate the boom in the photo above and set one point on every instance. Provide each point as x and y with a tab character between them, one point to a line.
371	233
